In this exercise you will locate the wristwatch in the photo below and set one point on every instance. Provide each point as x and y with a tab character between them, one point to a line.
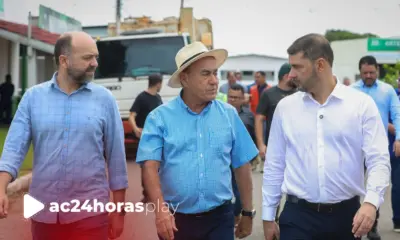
250	214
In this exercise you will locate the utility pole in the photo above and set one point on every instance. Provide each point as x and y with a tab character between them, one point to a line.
118	17
180	16
26	51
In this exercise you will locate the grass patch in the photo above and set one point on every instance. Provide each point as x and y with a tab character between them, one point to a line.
27	163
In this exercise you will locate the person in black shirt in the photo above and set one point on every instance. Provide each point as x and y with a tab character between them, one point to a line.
266	107
144	103
6	93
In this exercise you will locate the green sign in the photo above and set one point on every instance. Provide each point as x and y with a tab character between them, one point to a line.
1	6
56	22
383	44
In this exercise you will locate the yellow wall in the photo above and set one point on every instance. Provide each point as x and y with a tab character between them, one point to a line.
199	29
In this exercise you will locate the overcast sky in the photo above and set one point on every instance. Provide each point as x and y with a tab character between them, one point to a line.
248	26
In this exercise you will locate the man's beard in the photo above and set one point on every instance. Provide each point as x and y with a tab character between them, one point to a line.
369	81
79	76
291	84
310	82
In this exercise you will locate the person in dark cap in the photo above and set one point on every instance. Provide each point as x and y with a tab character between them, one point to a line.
266	107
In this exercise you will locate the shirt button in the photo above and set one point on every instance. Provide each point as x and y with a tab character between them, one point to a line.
200	134
321	116
201	174
201	155
66	129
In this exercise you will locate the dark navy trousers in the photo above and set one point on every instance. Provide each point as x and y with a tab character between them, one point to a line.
395	163
302	223
218	224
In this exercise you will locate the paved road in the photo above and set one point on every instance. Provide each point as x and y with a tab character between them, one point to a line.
139	226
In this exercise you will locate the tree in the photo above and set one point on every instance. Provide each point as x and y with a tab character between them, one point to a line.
335	35
392	74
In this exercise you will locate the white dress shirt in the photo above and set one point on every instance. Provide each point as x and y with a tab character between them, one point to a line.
316	152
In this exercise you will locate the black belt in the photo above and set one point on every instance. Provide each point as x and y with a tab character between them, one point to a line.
214	210
323	207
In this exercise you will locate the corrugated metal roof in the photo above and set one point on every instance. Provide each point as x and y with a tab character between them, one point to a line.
37	33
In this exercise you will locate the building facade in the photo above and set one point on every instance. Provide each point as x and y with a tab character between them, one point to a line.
348	53
249	64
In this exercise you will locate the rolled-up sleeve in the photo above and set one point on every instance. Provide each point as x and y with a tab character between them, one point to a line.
151	141
115	148
375	147
243	147
18	139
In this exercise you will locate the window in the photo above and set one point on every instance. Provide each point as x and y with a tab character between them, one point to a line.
123	58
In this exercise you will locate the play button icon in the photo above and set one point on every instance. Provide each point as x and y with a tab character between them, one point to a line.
31	206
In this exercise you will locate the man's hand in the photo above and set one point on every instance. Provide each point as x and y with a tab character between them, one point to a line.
271	230
138	132
116	225
262	150
391	129
396	148
364	220
4	204
245	227
165	223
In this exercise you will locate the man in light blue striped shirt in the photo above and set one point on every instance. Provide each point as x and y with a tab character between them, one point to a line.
388	104
77	135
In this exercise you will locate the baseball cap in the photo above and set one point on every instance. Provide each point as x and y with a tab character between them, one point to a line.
285	69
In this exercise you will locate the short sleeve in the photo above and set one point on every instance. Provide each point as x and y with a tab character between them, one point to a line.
151	142
243	149
136	104
262	107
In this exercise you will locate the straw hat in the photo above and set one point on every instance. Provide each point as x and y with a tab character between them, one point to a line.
191	53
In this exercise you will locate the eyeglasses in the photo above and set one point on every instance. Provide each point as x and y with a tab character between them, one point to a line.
234	97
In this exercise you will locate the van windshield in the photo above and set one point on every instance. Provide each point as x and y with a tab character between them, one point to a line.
123	58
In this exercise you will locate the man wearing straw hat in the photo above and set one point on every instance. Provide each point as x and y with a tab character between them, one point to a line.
186	151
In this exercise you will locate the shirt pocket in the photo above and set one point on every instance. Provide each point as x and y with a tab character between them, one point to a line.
89	124
220	139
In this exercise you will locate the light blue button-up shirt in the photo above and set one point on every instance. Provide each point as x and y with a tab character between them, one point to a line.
196	152
386	100
75	138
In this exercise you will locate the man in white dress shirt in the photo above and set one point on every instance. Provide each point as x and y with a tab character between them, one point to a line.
318	142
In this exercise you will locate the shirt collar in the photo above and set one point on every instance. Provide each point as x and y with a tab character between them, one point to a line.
373	85
183	104
338	92
87	85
